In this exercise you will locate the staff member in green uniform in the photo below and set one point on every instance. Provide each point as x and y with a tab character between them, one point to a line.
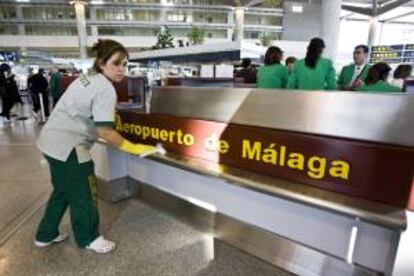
84	112
272	74
313	72
352	75
376	80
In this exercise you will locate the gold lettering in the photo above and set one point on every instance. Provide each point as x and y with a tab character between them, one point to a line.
188	139
146	132
126	128
155	132
223	146
137	130
249	152
118	122
179	137
164	135
172	134
296	161
270	154
316	166
282	156
339	169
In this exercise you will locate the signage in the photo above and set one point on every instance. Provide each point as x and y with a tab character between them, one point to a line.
371	171
402	53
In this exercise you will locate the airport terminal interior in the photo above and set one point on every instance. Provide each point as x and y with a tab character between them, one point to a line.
207	137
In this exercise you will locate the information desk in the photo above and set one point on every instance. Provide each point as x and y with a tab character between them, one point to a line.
315	182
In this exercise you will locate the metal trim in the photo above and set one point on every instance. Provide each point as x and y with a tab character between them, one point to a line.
382	118
270	247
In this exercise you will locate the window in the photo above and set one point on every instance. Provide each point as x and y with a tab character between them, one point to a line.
7	12
8	29
50	13
127	31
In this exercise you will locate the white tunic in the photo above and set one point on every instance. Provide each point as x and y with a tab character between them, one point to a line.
88	102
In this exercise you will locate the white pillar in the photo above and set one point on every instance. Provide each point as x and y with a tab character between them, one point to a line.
79	6
331	12
239	28
94	28
230	22
372	33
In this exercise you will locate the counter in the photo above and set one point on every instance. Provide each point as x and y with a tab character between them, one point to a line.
327	174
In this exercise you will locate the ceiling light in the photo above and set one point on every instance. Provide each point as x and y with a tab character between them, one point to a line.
297	8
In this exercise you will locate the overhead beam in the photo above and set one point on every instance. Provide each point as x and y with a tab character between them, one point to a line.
254	3
391	6
398	16
360	10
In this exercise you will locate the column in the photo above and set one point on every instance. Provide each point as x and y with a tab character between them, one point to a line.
331	12
94	28
21	30
373	25
230	22
239	27
79	6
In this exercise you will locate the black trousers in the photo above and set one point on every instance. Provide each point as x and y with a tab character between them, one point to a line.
36	102
7	105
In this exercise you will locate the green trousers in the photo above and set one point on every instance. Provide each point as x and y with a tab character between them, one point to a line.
74	186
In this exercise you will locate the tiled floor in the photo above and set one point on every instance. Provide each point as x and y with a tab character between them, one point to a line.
149	241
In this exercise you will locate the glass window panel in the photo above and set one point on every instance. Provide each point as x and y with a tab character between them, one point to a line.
7	12
8	29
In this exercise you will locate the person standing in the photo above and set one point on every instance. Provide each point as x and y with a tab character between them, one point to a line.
248	72
55	84
314	72
85	112
11	94
352	75
290	64
376	80
38	87
401	73
273	74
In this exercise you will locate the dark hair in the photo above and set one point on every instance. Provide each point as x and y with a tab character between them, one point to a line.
364	48
290	60
105	49
273	55
41	71
246	62
403	71
4	67
377	72
315	50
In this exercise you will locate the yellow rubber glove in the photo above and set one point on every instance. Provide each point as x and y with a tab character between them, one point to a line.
136	148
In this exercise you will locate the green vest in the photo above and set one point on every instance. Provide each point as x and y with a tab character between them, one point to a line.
380	87
347	73
322	77
272	76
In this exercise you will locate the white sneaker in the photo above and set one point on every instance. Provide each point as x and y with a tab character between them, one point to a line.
100	245
59	238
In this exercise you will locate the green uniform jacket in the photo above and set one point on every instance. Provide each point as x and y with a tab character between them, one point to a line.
381	87
272	76
322	77
347	73
56	84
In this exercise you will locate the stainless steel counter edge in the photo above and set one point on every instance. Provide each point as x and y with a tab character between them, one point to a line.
375	117
368	211
390	217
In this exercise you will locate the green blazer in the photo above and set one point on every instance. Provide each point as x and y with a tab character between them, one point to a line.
272	76
347	73
322	77
380	87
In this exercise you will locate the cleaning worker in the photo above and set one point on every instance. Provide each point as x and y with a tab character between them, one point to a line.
84	113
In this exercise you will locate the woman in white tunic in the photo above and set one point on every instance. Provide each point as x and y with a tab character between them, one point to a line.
84	113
